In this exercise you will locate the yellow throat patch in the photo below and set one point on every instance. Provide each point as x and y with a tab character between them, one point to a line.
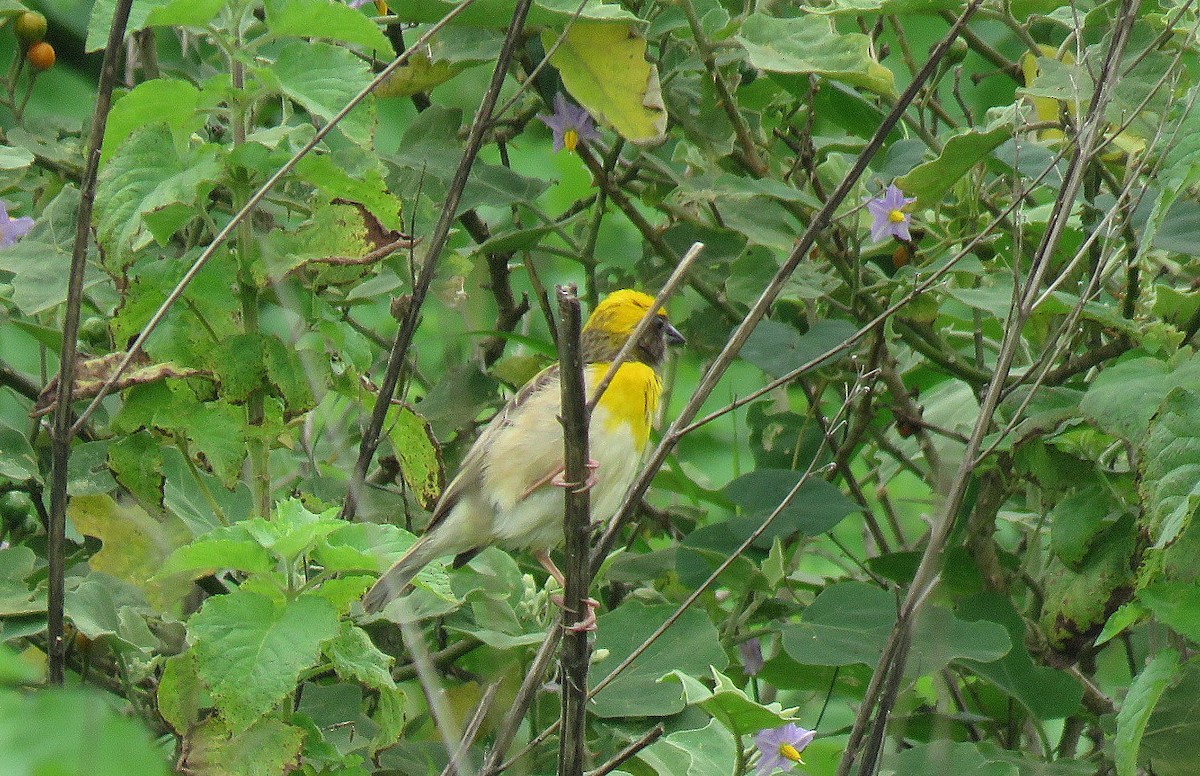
631	398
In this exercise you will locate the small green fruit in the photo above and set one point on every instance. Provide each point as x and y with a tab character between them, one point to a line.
922	309
30	28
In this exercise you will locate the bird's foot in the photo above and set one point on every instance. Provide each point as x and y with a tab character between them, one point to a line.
577	487
588	623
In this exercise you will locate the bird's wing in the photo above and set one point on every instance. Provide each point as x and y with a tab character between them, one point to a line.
474	465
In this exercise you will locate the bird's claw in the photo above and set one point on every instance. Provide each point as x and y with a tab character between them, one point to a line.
588	623
592	465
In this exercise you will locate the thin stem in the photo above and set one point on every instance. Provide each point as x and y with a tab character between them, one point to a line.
63	431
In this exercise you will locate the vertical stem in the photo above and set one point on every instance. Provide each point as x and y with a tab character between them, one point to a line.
248	296
572	751
62	433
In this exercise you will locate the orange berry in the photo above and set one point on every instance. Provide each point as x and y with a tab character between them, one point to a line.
41	56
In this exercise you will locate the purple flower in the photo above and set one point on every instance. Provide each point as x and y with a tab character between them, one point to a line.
570	124
12	229
381	7
752	656
888	216
781	748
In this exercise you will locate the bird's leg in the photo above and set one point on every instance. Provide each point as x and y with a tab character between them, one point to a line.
589	622
592	466
556	478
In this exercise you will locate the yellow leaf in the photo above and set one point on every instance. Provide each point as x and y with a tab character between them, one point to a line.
135	545
604	67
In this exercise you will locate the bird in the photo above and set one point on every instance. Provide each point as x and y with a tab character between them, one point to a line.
505	490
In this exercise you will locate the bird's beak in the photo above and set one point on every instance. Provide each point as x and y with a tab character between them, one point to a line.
673	336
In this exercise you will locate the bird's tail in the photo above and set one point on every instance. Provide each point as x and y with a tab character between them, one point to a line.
397	579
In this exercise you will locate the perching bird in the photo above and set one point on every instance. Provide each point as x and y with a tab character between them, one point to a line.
504	492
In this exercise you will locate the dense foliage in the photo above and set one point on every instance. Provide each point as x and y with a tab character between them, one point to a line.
938	509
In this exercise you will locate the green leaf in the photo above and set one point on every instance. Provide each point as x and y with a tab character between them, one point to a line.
847	623
90	737
1135	712
1078	521
763	221
169	101
896	7
250	649
1176	605
16	596
16	670
286	372
149	190
40	272
691	645
603	65
136	461
809	44
1079	602
1169	485
389	715
322	79
1180	170
484	13
778	349
14	158
184	13
267	746
1129	614
930	181
419	455
182	697
418	74
940	637
729	705
209	555
707	751
356	177
331	21
816	508
218	430
333	230
354	657
17	459
1171	740
944	756
1047	692
1124	397
101	18
95	607
362	547
497	186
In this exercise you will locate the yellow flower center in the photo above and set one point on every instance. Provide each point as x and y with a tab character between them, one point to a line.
789	751
571	139
382	7
896	217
